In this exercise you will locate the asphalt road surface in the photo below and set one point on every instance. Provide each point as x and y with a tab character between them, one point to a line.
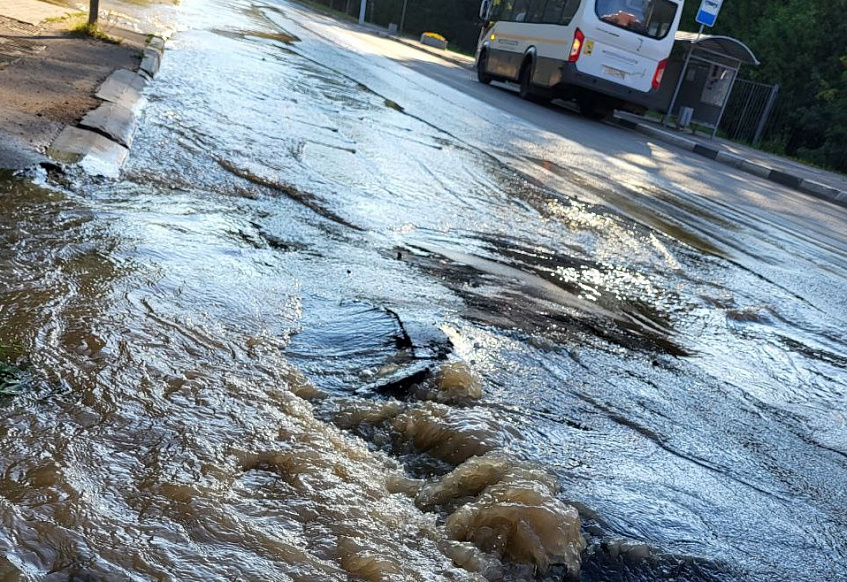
349	314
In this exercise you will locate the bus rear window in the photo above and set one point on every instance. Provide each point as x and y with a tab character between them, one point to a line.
653	18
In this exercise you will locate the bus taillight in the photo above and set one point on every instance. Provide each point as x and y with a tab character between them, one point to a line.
576	46
660	72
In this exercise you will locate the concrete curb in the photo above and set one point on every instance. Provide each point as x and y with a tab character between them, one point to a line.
787	179
100	142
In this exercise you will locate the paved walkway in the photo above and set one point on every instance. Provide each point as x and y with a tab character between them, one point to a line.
822	184
51	102
32	12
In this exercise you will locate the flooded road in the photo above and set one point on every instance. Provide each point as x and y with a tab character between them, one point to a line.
337	321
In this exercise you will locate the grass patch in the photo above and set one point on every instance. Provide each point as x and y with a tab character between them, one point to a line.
93	31
460	51
327	11
66	17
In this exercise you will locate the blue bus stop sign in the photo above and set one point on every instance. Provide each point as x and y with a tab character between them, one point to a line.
708	13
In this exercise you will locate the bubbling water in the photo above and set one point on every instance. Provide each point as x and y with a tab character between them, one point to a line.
501	516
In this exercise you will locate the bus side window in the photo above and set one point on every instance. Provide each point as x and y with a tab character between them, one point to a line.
519	11
553	12
507	9
535	13
570	9
496	10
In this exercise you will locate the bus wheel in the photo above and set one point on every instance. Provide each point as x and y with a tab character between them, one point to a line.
481	66
525	80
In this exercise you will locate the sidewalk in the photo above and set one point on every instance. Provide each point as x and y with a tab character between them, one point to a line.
821	184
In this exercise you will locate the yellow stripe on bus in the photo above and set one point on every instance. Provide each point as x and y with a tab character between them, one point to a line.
529	38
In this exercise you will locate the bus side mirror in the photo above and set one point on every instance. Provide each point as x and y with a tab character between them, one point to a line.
484	9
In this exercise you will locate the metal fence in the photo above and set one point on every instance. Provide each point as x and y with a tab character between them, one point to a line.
748	111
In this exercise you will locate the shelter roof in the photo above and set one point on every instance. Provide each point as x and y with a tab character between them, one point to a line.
722	46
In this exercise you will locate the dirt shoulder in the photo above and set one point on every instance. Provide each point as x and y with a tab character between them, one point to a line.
49	75
50	87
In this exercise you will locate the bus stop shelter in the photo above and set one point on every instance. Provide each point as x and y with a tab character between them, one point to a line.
707	77
699	78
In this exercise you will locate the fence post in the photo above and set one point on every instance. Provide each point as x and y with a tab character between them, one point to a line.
740	124
765	115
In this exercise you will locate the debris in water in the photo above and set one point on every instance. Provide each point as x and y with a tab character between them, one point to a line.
14	378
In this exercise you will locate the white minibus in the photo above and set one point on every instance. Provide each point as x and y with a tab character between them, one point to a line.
604	54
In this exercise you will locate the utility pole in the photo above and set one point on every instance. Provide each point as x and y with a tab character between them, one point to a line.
362	7
93	9
402	17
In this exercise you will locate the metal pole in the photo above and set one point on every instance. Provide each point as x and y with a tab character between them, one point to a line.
362	7
726	99
93	10
765	115
682	74
402	17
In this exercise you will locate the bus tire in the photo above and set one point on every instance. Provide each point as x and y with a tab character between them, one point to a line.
525	80
481	68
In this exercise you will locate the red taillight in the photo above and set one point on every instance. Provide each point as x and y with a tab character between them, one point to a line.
576	46
660	72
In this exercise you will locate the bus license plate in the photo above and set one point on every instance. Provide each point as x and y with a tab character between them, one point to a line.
614	72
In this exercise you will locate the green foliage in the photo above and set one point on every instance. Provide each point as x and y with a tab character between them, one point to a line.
456	20
802	45
93	31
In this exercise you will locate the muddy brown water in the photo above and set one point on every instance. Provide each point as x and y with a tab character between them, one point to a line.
309	335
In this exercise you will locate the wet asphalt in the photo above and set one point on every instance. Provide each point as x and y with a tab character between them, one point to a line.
312	209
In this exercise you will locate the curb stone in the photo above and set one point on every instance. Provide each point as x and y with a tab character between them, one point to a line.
100	142
124	88
436	52
761	170
95	153
150	62
114	121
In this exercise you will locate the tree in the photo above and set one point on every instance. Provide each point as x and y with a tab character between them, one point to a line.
802	45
